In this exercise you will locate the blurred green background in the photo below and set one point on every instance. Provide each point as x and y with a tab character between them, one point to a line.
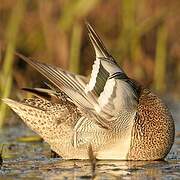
143	35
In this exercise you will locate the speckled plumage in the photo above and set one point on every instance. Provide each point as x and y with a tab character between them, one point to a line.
153	130
112	115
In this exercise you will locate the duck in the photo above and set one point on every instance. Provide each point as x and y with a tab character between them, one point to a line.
108	116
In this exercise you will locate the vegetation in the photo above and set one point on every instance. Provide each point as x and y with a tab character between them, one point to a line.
144	37
11	37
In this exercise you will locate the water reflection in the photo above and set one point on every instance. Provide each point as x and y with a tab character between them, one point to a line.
62	169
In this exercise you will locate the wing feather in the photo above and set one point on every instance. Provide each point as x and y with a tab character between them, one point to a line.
63	80
103	66
69	84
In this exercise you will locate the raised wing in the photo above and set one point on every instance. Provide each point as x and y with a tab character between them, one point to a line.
67	82
103	66
103	82
104	91
72	85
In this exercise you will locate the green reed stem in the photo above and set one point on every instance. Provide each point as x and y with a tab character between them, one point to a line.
6	92
74	64
161	57
11	38
75	9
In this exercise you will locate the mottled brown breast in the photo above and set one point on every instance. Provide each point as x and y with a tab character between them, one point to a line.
153	130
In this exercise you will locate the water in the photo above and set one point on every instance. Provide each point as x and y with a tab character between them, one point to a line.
30	159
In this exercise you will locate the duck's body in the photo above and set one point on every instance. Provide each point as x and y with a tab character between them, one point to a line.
111	117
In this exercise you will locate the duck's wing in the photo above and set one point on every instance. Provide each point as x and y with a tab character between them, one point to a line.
102	82
103	65
88	97
71	84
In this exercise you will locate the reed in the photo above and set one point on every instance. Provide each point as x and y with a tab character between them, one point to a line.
128	28
11	37
74	10
75	47
71	16
161	59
